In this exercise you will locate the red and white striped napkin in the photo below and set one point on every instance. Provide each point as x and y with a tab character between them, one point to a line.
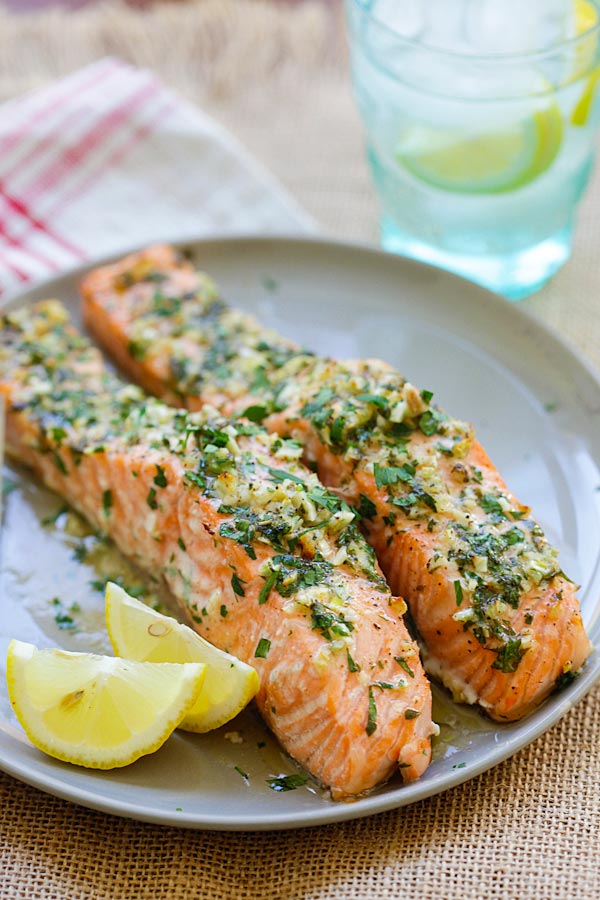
109	158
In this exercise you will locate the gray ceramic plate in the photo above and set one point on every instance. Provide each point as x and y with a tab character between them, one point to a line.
536	407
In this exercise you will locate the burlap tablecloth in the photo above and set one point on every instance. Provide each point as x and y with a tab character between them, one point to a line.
528	829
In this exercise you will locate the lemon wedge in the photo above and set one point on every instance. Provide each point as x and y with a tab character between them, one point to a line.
97	711
491	161
138	632
585	16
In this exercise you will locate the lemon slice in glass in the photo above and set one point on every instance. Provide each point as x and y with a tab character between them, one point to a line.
97	711
585	16
491	161
138	632
585	19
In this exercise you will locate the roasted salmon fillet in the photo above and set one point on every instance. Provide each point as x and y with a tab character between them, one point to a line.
499	622
264	562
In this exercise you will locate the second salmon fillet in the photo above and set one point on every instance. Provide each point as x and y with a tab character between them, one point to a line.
499	621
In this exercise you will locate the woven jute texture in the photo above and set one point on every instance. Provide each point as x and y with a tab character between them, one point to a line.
527	830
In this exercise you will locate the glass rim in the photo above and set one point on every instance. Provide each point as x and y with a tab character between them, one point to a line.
483	58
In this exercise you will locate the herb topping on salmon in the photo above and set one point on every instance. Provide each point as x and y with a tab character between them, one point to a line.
499	621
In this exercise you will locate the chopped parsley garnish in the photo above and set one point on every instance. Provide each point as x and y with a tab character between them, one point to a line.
241	772
429	422
287	782
336	432
376	399
491	505
425	498
404	665
372	714
137	349
237	585
265	590
181	544
64	621
262	648
256	413
160	479
314	409
391	475
294	573
385	475
107	502
565	679
519	513
151	499
62	618
330	624
223	610
60	464
80	552
514	536
409	500
280	475
411	713
240	531
406	501
322	497
353	666
366	508
509	656
458	591
58	435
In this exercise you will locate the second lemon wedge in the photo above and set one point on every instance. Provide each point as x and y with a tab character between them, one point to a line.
138	632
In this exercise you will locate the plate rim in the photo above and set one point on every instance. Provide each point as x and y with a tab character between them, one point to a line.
524	732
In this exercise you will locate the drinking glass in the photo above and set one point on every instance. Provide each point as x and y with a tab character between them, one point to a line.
479	158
